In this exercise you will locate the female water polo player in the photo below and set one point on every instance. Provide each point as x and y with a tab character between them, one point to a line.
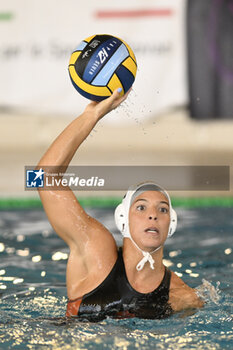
102	280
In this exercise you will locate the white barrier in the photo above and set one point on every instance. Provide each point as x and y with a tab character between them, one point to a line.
39	36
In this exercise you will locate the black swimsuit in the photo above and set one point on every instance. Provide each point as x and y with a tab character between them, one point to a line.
115	297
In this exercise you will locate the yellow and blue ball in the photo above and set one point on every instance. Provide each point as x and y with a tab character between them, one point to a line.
101	64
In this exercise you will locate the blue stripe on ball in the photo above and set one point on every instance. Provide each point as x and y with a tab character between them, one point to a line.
87	95
108	70
81	46
99	59
126	77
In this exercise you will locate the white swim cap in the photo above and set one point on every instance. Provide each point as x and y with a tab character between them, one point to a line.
122	216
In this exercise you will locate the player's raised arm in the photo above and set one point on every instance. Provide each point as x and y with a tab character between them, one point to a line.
64	212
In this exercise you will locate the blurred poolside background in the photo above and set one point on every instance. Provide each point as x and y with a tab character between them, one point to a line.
179	112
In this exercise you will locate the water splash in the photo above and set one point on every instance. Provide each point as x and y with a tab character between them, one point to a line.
208	292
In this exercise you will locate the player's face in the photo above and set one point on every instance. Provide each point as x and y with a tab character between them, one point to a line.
149	219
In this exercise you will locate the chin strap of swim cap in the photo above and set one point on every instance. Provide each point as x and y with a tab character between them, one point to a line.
146	257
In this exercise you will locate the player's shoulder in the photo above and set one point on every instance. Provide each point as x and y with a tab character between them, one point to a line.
181	296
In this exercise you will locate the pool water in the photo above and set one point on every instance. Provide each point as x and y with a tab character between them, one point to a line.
33	293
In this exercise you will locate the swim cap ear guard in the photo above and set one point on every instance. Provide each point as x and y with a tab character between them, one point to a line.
122	214
120	218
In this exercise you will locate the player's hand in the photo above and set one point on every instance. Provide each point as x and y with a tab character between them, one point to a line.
102	108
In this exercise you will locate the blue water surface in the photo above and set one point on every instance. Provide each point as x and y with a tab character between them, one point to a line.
33	293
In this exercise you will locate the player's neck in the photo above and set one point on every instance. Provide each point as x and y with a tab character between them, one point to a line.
132	256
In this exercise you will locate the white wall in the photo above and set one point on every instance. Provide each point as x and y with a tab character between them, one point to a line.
38	38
